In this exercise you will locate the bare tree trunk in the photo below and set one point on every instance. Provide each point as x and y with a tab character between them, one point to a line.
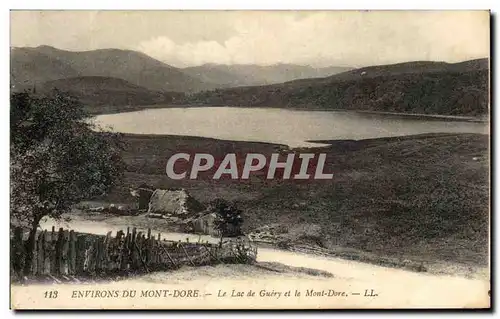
30	245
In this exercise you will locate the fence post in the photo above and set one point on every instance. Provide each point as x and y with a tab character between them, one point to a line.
158	252
147	246
52	249
117	249
125	253
139	257
90	255
17	256
80	255
41	253
99	253
34	259
72	253
65	253
136	250
46	252
59	252
151	245
133	253
106	255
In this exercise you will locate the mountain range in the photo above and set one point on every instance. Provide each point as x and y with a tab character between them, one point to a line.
249	75
34	66
113	77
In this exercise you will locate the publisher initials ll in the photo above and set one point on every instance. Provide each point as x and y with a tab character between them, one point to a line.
370	293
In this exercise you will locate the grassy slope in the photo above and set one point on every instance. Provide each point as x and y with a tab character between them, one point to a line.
415	87
421	197
105	94
131	66
28	67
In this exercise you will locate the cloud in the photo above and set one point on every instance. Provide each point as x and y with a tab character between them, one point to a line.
185	38
164	49
342	38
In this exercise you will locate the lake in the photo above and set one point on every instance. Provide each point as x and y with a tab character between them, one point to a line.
290	127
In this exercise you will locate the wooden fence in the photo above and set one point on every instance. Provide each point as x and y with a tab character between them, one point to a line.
71	253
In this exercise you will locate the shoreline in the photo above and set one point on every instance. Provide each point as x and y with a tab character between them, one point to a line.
435	116
317	144
459	118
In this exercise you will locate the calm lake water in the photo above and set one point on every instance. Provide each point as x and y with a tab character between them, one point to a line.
290	127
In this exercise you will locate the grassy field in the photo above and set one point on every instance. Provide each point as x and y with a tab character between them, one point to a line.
422	197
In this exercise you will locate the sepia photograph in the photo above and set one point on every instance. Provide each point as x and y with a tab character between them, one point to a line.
249	160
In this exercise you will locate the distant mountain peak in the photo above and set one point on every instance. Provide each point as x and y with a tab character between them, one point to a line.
235	75
44	46
46	63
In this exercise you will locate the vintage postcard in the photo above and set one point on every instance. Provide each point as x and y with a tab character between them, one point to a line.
249	159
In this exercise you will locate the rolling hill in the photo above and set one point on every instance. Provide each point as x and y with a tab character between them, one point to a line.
29	66
413	87
103	94
415	67
245	75
45	63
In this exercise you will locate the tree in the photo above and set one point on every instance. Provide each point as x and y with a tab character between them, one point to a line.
228	218
58	157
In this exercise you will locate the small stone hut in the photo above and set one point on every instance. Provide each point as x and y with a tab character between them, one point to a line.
178	203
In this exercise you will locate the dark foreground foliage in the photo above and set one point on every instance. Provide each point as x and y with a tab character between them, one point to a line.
57	158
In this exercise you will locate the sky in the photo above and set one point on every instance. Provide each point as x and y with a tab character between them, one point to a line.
317	38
